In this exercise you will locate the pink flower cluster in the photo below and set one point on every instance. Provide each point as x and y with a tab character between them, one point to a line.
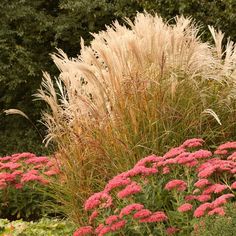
209	192
18	169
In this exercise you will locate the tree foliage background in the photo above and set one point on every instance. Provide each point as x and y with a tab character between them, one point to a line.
31	30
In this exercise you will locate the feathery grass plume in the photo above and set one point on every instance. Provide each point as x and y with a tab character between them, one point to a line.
16	112
139	88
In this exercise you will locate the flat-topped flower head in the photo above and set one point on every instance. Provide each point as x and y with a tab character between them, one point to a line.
201	210
201	183
177	184
194	142
217	211
130	189
130	208
82	231
158	216
185	207
142	214
101	199
147	160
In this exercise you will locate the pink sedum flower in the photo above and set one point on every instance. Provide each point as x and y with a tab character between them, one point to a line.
117	182
158	216
185	207
118	225
86	230
228	145
217	211
176	184
148	159
207	172
220	188
96	200
202	183
202	154
104	230
142	214
130	208
35	160
233	185
220	152
222	200
130	189
174	152
194	142
10	165
203	198
141	170
200	211
111	219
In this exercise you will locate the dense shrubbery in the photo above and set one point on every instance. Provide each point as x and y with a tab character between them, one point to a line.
23	184
211	225
163	195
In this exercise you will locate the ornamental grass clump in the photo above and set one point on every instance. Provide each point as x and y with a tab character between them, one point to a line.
24	178
139	88
165	203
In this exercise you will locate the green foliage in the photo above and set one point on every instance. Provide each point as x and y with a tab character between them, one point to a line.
220	14
44	227
23	203
218	226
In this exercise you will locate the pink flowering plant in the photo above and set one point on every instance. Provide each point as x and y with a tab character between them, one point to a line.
165	195
24	178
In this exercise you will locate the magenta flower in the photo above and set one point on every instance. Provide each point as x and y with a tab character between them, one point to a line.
200	211
203	198
217	211
128	209
137	170
83	231
202	154
176	184
118	225
10	165
207	172
228	145
35	160
222	200
111	219
130	189
142	214
174	152
185	207
233	185
158	216
194	142
116	182
96	199
148	159
202	183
